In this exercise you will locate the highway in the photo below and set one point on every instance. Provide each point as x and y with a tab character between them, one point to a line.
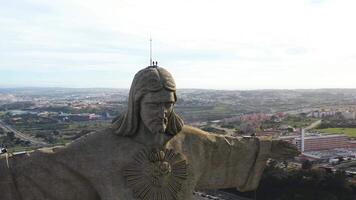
22	136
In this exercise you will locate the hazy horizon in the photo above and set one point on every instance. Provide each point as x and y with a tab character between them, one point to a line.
224	45
120	88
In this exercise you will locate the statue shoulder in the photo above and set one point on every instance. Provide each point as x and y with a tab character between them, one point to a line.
192	130
189	132
192	133
104	140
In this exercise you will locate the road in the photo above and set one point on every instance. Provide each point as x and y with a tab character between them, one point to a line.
22	136
313	125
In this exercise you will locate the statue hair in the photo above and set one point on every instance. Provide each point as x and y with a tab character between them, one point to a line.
150	79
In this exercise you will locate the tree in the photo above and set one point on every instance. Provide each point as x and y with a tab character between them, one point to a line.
282	184
306	165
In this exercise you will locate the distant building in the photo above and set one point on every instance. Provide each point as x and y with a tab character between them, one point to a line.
327	156
322	114
268	133
255	117
348	115
320	142
290	139
316	143
94	117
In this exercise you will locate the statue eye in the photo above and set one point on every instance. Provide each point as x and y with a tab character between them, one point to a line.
153	104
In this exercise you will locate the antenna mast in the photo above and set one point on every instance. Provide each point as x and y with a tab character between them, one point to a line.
151	64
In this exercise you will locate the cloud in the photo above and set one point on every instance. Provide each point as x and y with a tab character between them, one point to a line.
296	51
247	44
317	1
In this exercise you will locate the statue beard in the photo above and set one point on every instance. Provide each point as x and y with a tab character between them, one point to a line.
157	127
154	135
169	126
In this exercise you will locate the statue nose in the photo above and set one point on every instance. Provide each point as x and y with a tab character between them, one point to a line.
163	112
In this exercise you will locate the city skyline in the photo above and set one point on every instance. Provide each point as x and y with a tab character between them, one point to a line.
205	44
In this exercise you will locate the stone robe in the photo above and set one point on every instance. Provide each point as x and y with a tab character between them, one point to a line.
92	167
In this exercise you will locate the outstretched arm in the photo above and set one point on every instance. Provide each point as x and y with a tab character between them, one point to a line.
226	162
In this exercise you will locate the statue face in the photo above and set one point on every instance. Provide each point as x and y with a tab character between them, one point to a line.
155	109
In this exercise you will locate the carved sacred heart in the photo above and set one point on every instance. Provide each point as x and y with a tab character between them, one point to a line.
156	174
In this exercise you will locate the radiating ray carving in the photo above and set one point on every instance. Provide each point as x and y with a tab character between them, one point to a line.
156	174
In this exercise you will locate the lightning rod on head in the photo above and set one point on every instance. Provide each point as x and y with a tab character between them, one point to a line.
151	64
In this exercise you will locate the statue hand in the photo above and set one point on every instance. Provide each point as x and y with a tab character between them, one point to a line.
281	150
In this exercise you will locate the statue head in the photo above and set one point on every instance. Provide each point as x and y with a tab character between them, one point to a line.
151	100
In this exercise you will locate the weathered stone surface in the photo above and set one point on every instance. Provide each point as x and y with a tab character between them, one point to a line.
147	154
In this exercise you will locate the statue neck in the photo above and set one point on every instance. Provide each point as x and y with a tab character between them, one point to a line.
147	138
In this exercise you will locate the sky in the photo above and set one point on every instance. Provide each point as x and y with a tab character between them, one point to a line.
209	44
